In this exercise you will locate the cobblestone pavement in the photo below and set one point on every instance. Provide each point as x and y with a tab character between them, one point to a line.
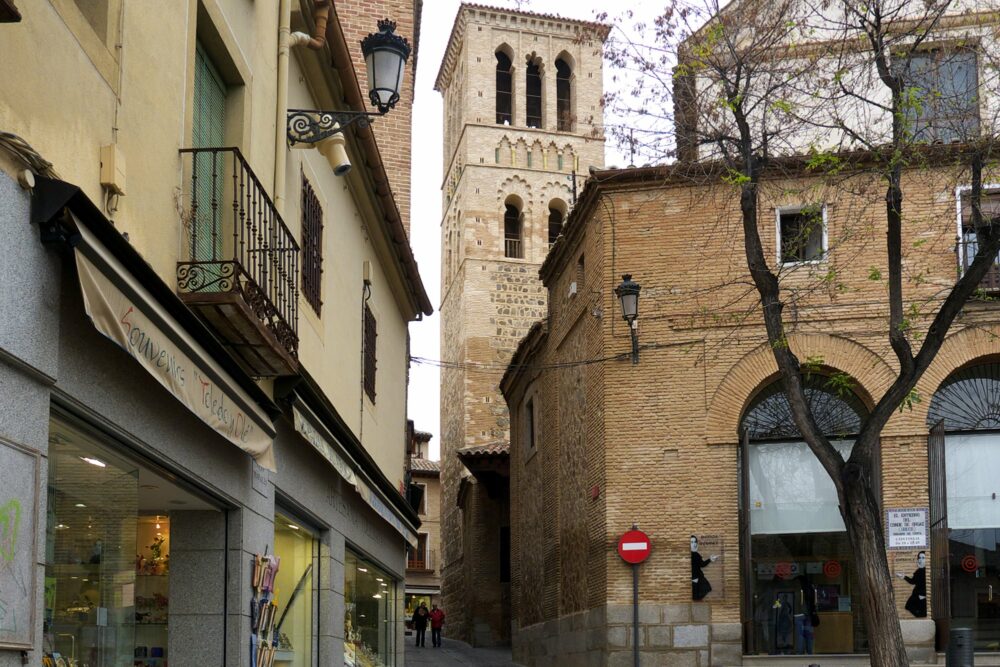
453	653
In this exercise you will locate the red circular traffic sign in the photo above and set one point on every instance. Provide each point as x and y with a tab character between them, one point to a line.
634	546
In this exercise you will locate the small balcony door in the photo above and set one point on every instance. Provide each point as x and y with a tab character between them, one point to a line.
208	132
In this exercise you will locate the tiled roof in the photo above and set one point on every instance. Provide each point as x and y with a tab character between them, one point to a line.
500	448
424	465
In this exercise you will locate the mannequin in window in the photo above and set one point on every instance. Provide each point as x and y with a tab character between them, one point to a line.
806	619
699	584
917	602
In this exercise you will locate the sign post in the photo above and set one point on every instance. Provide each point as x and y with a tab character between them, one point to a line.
633	547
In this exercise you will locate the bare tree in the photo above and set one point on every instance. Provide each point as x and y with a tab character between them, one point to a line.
836	89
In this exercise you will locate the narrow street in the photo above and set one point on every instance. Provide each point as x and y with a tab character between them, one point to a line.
454	653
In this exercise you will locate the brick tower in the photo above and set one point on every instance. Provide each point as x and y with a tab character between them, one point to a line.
522	120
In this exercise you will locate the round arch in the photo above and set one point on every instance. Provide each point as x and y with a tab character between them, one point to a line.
968	347
753	370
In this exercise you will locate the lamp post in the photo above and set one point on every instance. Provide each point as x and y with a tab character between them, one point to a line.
628	294
385	54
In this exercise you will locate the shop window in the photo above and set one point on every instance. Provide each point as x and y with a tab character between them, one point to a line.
312	247
505	89
533	93
298	548
941	103
414	602
109	522
370	338
964	482
369	613
799	575
564	112
802	234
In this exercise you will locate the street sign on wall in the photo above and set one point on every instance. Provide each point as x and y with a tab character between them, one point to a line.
634	546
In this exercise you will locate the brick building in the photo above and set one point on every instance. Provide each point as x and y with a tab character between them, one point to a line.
522	98
696	441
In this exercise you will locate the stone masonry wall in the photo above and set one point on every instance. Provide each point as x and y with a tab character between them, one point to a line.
669	424
489	301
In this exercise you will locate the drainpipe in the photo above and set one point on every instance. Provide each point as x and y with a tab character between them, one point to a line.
281	108
321	15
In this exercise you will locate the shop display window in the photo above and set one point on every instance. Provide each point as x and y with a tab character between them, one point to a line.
108	553
799	574
964	480
91	538
295	591
369	613
412	603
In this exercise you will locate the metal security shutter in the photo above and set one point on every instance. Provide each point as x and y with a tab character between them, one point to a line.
208	132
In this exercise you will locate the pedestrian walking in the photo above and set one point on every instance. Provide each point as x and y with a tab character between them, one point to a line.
437	622
420	618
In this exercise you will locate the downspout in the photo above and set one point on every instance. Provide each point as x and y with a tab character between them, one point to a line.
321	14
281	107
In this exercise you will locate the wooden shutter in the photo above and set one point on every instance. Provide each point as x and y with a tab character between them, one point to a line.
940	567
746	557
312	247
208	131
370	335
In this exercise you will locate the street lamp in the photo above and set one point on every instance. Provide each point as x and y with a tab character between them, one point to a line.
628	294
385	54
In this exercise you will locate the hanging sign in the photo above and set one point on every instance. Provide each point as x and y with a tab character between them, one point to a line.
906	528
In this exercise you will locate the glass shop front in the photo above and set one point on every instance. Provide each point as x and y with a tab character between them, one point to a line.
369	613
107	554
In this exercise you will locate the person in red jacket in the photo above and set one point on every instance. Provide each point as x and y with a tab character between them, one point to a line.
437	621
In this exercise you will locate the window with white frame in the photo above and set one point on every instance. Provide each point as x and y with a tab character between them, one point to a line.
968	246
801	234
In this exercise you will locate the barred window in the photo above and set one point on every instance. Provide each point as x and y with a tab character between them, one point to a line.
370	334
312	246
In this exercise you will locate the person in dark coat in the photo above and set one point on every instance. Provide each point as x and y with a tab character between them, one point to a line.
699	584
917	602
420	620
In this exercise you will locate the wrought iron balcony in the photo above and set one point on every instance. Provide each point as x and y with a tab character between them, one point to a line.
240	264
967	249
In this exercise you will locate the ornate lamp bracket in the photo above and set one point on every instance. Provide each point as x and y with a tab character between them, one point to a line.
306	126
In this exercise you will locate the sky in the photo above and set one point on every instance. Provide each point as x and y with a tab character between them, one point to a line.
435	28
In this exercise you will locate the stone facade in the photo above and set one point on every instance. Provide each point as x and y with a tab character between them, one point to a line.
657	443
489	300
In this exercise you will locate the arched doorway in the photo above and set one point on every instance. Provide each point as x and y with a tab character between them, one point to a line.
964	482
800	588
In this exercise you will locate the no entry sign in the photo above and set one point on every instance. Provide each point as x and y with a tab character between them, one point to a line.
634	547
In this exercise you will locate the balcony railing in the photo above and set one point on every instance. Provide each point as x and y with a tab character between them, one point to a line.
967	249
424	562
240	263
513	248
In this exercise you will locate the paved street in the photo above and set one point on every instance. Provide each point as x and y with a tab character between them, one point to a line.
454	653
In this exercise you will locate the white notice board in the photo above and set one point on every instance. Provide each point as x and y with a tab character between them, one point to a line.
906	528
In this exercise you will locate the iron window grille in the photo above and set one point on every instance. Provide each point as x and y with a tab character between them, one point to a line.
312	247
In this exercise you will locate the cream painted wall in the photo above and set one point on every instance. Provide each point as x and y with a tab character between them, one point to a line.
330	345
59	84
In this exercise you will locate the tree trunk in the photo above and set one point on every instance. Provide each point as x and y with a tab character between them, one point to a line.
864	531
